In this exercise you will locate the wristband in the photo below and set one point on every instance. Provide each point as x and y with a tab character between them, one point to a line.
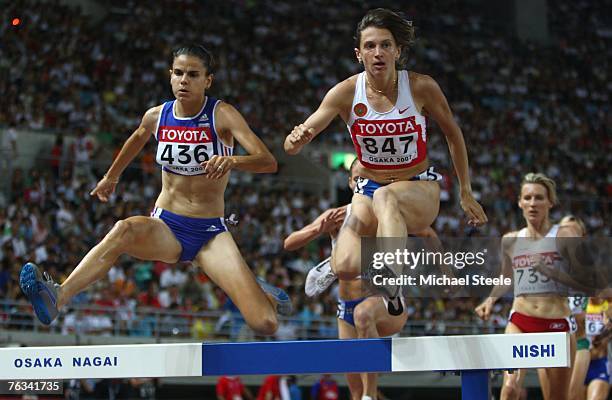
116	180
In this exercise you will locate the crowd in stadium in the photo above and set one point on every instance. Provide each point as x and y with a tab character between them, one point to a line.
522	106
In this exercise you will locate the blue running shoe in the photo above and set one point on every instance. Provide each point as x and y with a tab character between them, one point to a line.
41	291
283	302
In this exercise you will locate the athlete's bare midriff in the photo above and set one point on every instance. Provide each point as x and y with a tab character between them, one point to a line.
542	306
390	176
193	196
599	351
350	290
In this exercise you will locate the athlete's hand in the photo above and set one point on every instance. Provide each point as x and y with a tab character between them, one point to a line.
301	135
484	309
218	166
547	271
475	213
330	220
604	335
104	188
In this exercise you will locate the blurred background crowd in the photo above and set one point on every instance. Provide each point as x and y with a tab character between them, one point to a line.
86	80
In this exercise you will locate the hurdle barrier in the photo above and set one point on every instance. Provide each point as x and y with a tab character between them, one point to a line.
474	356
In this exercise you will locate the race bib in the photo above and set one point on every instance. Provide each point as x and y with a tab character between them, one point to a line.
182	149
594	323
390	143
577	303
527	279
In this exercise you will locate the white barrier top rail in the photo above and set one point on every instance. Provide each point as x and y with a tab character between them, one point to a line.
473	352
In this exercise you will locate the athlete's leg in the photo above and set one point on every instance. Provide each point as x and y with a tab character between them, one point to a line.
141	237
598	390
354	381
580	360
405	207
346	255
371	321
222	262
559	378
580	367
545	383
511	388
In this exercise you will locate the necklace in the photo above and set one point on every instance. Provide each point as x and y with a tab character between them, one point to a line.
380	91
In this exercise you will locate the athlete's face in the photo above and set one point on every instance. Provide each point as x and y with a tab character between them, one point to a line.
189	78
534	202
377	50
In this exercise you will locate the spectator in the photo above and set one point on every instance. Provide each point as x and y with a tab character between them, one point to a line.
325	389
231	388
270	389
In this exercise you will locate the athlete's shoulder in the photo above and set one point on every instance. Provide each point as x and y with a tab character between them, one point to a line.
511	234
228	118
225	110
421	82
149	120
567	231
509	239
345	88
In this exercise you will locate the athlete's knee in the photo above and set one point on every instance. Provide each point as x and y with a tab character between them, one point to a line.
266	324
344	266
510	391
364	317
121	234
384	200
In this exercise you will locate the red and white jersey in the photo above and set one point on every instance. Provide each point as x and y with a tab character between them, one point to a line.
393	139
526	253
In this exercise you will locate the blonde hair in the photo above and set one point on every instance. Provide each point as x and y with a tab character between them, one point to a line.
572	218
549	184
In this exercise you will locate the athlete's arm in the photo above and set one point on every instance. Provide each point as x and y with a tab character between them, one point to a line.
259	158
435	105
434	244
582	261
484	309
327	222
606	332
128	152
332	105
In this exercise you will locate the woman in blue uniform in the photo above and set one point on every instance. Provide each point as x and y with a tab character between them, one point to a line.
195	135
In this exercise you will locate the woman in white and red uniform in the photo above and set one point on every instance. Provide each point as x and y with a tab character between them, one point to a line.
540	303
385	110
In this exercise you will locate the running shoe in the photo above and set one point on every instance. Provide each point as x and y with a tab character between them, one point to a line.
41	291
319	278
391	293
283	302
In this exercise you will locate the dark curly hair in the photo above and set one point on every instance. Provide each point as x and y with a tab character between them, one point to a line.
401	29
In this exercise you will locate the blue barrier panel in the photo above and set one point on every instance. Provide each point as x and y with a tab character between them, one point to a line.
297	357
475	385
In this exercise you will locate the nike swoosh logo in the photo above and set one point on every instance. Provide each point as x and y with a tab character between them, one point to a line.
404	110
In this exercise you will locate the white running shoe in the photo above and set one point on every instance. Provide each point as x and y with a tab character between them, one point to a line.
319	278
